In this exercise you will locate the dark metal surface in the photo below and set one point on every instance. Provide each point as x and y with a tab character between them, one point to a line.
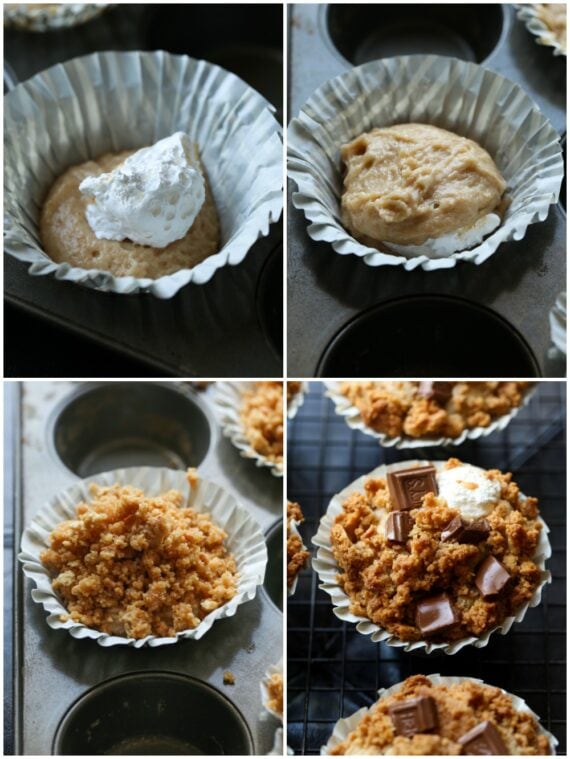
217	329
332	669
520	281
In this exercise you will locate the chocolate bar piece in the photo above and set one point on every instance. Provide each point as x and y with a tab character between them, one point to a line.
491	577
440	392
435	614
398	526
414	715
483	739
466	532
407	487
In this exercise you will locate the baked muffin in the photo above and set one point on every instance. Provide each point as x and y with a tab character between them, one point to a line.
438	552
433	716
432	409
553	16
411	185
297	555
261	414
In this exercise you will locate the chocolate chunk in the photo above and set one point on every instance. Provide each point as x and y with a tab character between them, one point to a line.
440	392
407	487
483	739
414	715
466	532
435	615
491	577
398	526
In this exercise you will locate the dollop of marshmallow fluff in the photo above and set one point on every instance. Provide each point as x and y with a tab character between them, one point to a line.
468	489
454	242
152	198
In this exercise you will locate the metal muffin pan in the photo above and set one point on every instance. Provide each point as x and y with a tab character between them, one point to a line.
327	292
216	329
273	582
52	670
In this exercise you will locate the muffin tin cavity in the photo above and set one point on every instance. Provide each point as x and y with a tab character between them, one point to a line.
428	336
269	300
273	582
156	714
106	427
366	33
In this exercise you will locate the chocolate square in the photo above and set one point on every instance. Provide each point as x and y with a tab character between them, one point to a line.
407	487
491	578
440	392
414	715
398	526
435	614
453	530
466	532
483	739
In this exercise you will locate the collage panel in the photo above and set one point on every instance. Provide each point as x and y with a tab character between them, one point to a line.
426	609
143	556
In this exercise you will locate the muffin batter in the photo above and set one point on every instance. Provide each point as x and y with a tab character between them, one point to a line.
67	237
408	183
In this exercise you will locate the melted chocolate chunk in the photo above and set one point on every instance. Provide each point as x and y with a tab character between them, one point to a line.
491	577
453	530
414	715
398	526
483	739
466	532
435	615
407	487
440	392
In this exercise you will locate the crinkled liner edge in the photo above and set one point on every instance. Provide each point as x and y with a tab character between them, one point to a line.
346	725
293	526
274	669
545	36
322	227
227	402
244	540
167	286
327	569
297	401
352	417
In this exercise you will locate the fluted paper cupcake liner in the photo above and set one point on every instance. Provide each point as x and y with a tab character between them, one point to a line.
354	420
462	97
293	527
228	399
55	16
536	26
274	669
326	567
245	542
107	102
297	401
345	726
558	323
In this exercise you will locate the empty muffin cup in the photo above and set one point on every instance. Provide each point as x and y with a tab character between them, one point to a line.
121	424
467	32
153	713
269	300
273	582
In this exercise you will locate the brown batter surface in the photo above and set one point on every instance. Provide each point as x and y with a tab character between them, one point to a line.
67	237
460	708
409	183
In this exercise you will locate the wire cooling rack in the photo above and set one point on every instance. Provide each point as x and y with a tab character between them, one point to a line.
334	670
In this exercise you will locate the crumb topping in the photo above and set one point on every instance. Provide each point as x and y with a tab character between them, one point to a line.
296	553
275	688
262	416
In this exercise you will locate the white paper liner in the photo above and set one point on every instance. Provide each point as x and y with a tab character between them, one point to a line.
557	319
326	567
103	102
461	97
293	527
56	16
537	27
297	401
345	726
353	418
274	669
228	399
245	541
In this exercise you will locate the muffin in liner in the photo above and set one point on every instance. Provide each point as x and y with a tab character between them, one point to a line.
353	418
536	26
345	726
228	398
50	16
293	527
461	97
297	401
274	669
245	541
326	567
107	102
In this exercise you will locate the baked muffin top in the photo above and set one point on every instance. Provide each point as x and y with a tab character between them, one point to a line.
261	414
296	553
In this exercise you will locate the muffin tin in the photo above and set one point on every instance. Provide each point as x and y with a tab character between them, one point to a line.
216	329
330	294
63	686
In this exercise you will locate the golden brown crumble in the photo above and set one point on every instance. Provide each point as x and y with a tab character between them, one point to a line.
460	707
136	565
275	688
385	581
262	416
229	678
296	553
397	408
292	389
